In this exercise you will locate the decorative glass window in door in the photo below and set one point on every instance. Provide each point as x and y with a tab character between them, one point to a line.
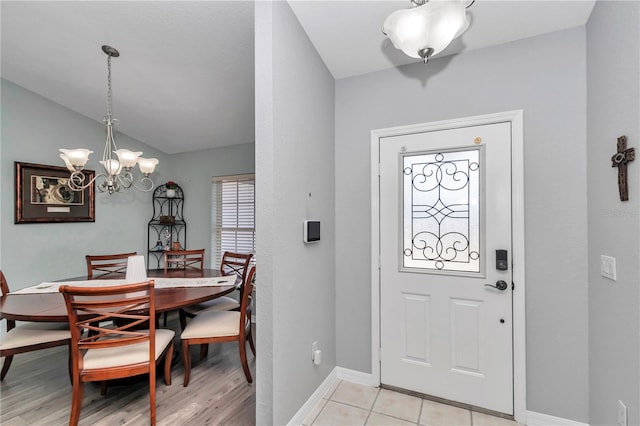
441	211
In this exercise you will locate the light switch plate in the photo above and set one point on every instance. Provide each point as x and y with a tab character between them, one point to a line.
608	267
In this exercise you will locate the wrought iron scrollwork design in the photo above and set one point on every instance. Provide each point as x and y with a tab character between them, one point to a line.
438	201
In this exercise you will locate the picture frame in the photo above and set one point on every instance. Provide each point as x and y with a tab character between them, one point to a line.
42	195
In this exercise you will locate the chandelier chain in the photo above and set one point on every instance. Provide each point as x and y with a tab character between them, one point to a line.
109	86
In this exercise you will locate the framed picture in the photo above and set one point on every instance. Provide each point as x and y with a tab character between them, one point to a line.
42	195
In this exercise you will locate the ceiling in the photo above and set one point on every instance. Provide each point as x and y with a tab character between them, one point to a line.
184	80
356	26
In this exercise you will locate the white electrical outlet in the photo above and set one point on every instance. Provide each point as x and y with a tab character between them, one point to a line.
314	348
622	414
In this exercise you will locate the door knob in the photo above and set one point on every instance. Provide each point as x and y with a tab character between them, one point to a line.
500	285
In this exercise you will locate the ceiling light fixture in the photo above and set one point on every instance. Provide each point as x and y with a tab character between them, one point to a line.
114	179
427	28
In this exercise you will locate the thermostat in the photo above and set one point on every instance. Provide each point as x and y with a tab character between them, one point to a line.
311	233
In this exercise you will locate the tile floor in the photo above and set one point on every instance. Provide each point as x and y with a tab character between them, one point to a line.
349	404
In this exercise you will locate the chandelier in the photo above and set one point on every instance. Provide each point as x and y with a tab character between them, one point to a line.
117	174
427	28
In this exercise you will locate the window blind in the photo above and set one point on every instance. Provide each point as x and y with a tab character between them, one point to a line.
233	216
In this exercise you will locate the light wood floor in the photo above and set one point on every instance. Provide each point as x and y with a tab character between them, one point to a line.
37	391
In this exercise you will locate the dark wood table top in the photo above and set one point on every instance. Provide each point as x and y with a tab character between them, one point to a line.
51	307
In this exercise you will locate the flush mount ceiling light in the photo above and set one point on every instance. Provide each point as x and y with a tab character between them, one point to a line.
115	179
427	29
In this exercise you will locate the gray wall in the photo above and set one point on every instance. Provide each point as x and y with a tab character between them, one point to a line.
546	77
33	128
295	181
613	77
193	172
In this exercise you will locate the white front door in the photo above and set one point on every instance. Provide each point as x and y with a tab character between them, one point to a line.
446	322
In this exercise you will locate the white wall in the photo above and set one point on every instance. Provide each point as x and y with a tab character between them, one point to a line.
265	207
295	181
545	76
613	76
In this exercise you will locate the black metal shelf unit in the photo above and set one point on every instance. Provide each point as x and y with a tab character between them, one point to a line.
167	228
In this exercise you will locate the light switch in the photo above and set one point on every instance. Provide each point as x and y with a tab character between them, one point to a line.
608	267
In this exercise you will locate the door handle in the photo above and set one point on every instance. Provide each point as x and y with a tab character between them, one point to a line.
500	285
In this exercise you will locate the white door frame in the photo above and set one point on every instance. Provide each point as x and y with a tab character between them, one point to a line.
517	258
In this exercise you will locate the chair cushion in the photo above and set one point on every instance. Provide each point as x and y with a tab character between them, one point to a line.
213	324
224	303
34	333
126	355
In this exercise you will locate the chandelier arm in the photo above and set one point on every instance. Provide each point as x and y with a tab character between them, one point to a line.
118	182
126	181
77	178
146	182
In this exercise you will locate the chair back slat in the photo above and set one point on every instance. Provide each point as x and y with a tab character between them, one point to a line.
113	316
245	302
236	263
4	286
184	259
107	266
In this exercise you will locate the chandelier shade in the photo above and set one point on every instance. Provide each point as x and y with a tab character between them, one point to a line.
147	165
113	179
75	158
427	29
127	158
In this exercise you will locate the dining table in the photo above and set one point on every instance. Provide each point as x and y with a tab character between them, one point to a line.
50	306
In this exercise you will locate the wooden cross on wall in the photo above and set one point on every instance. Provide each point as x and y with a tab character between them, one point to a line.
620	160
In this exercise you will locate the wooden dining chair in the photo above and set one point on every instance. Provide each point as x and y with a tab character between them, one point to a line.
232	263
183	259
29	336
221	326
107	266
113	352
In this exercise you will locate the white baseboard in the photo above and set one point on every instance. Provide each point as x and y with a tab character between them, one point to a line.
336	374
355	376
539	419
313	400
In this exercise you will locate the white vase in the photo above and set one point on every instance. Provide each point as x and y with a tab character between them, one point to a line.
171	193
